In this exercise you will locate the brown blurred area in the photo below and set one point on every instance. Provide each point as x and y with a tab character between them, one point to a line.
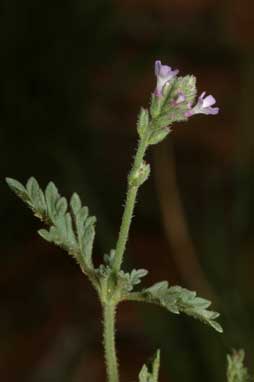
73	77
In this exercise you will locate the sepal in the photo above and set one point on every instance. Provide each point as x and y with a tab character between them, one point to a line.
159	135
156	104
143	122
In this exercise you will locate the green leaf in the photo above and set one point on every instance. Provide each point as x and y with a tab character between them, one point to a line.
32	195
61	206
37	197
84	225
73	231
236	371
178	300
52	196
45	234
109	259
151	374
158	289
75	203
87	243
136	275
128	280
70	235
19	189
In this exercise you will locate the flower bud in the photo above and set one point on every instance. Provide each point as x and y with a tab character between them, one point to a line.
139	175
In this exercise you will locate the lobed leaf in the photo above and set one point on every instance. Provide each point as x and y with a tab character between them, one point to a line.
72	230
128	280
179	300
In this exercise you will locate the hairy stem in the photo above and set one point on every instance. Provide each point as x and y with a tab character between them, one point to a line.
109	311
129	207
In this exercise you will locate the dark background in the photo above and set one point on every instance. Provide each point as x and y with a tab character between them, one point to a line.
73	77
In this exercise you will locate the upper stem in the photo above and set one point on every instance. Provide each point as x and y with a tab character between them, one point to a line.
109	308
129	207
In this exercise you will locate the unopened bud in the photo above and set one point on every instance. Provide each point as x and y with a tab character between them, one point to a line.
138	176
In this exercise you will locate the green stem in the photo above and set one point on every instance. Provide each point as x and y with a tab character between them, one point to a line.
109	311
129	207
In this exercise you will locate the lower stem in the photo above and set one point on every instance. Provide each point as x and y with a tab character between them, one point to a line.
109	312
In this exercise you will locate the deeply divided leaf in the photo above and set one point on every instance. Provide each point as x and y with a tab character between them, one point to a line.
72	230
179	300
129	280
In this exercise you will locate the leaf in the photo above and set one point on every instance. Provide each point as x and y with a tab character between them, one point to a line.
87	243
129	280
61	206
45	234
52	196
179	300
71	230
109	259
236	371
151	374
19	189
136	275
32	195
75	203
158	289
37	197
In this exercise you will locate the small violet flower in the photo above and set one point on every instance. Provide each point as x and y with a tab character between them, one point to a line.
164	74
203	106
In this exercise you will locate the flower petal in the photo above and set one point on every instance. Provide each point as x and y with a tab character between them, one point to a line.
208	101
157	67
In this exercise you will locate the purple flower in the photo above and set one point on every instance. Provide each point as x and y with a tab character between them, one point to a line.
164	74
204	106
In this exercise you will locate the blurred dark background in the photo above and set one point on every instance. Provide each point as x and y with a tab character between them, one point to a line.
73	77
